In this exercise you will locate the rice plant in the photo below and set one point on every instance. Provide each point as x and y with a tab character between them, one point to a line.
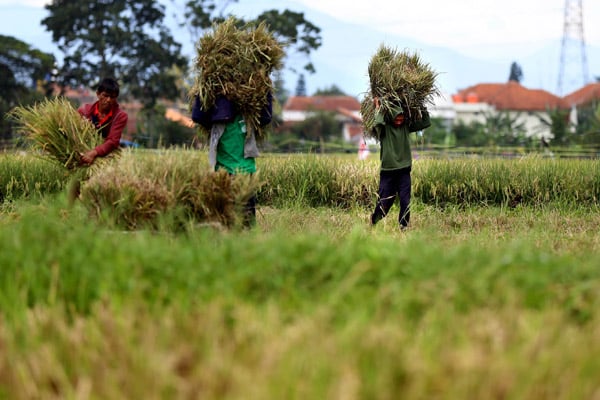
317	181
397	78
140	193
236	62
25	176
439	312
56	129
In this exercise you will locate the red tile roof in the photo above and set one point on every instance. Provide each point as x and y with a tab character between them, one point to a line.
350	114
355	130
510	96
133	111
175	115
321	103
585	95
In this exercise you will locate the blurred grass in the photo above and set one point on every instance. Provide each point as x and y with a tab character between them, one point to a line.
471	302
462	305
24	176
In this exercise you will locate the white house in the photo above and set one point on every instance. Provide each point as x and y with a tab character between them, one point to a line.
345	108
526	106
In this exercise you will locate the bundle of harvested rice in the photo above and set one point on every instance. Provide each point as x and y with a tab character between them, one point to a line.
58	130
397	78
217	197
124	201
235	60
156	191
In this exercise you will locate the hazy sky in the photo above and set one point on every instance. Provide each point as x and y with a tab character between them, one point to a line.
488	30
464	24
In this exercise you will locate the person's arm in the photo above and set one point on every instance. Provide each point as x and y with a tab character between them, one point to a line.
199	115
112	140
420	124
379	114
85	110
266	114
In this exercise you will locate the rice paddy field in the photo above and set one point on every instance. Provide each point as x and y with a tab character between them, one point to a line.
145	291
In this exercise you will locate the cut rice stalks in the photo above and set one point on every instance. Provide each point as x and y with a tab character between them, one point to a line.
397	79
235	60
59	132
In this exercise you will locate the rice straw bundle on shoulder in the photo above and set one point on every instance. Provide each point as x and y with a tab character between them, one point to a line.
398	78
58	130
236	62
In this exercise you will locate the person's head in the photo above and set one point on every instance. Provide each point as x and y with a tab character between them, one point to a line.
398	120
107	92
108	86
397	111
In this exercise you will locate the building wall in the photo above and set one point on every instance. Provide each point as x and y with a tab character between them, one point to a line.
476	112
451	112
293	116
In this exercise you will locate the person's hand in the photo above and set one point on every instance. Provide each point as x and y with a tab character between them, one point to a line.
89	156
376	102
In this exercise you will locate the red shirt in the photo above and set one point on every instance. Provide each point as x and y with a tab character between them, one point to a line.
112	125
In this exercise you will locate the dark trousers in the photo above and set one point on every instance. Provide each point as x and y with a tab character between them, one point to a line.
250	212
391	184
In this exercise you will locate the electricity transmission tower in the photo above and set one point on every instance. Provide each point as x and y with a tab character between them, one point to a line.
572	52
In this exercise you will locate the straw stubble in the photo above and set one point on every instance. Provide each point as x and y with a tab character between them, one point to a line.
235	61
397	78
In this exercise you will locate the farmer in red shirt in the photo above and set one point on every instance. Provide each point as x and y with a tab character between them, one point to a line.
108	118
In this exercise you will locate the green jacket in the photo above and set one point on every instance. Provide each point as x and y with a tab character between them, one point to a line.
231	153
395	141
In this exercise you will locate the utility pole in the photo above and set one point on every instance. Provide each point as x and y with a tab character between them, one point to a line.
572	52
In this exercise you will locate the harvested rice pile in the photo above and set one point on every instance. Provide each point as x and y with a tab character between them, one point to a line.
236	62
397	77
55	127
163	192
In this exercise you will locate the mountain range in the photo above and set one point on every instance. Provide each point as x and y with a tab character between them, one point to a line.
346	49
344	56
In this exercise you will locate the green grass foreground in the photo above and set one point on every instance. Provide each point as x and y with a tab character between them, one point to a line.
475	301
471	303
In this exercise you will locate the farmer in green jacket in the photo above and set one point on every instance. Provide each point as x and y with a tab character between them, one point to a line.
232	144
394	131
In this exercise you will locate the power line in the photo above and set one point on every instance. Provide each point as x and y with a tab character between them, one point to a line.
573	42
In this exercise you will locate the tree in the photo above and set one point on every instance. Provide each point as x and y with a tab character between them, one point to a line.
321	125
591	136
437	133
24	70
301	86
472	134
22	67
333	90
281	93
516	73
503	128
297	34
125	39
558	122
162	132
